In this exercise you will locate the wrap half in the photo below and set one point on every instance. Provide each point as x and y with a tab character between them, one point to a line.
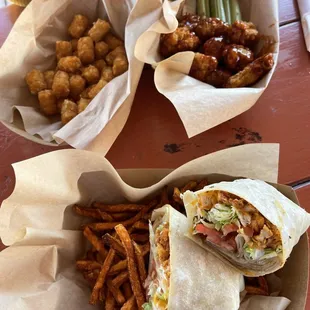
247	223
181	274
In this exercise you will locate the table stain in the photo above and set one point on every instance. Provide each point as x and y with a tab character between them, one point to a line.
243	136
173	148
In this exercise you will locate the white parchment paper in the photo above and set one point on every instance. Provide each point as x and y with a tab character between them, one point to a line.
201	106
304	8
37	270
31	44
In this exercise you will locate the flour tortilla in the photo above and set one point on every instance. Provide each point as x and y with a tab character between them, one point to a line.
290	219
198	279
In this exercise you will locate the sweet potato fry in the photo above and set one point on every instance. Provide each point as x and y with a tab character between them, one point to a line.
126	287
120	208
132	268
115	244
140	237
145	248
92	275
95	241
164	196
252	290
189	186
87	265
140	262
117	294
105	216
202	183
129	304
177	196
101	295
140	225
108	226
88	212
101	278
119	266
120	279
263	284
110	301
122	216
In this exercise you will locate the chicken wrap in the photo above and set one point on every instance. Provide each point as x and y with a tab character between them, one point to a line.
181	274
247	223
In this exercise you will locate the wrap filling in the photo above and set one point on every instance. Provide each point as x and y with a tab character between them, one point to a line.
234	225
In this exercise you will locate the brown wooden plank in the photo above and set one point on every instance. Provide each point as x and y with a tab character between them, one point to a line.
154	135
288	11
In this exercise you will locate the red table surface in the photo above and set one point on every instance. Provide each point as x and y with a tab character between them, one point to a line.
154	136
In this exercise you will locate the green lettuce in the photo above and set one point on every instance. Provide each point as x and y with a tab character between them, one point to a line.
147	306
221	215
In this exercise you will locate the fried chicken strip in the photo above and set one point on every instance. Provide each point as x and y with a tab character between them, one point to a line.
252	72
178	41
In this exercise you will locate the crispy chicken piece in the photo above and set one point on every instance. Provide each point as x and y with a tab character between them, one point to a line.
189	20
218	78
211	27
214	47
237	57
162	243
243	33
202	65
178	41
252	72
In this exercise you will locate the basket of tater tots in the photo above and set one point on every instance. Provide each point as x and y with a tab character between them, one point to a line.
213	59
68	70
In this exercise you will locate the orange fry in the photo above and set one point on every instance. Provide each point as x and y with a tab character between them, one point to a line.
141	225
108	226
177	196
145	248
95	241
110	301
201	184
140	263
132	268
252	290
105	216
127	290
91	275
140	237
120	279
101	278
117	294
89	212
164	199
87	265
101	295
120	208
129	304
120	266
121	216
114	243
189	186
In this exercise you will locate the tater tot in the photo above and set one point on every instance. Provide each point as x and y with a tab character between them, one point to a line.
112	41
74	43
120	65
120	50
107	74
91	74
100	64
99	30
77	85
49	78
95	90
59	104
61	85
68	111
63	49
101	49
35	81
78	26
70	64
85	93
47	102
82	104
86	51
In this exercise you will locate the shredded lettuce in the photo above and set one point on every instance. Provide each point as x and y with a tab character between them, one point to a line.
147	306
221	215
252	253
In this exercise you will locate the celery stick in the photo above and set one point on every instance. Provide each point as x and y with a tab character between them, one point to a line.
227	11
207	3
213	8
201	7
235	11
221	10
